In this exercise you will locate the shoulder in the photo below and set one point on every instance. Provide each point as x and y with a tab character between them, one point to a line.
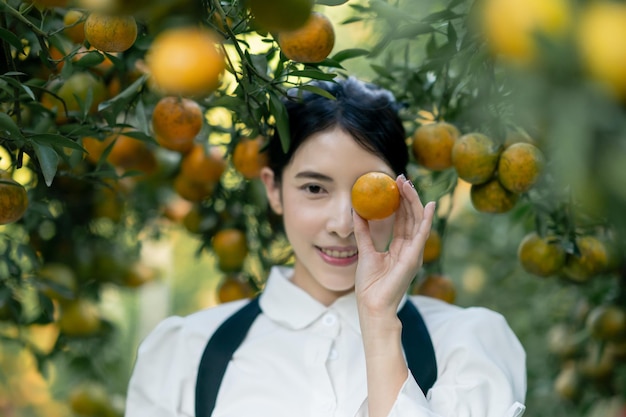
479	327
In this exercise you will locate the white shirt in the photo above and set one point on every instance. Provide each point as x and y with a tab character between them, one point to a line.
301	358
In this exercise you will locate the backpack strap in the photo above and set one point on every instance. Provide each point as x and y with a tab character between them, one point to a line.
416	342
218	353
418	347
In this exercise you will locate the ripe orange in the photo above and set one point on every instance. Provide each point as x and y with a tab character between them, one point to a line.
540	256
520	166
231	248
510	26
492	197
138	274
432	145
601	24
432	248
202	166
475	157
232	288
75	25
310	43
13	200
130	154
607	322
110	33
279	15
185	61
88	399
569	381
437	286
375	196
74	92
190	190
79	317
248	158
592	259
176	122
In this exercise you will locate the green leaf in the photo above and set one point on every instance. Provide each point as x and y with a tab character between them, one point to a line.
13	40
277	108
51	139
312	73
411	30
8	128
349	54
317	90
48	161
128	93
90	59
331	2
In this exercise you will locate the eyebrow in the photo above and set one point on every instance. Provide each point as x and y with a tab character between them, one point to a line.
313	175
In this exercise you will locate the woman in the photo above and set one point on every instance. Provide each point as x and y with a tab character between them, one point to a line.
330	335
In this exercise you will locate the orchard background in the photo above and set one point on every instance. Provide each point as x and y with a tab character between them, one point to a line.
130	143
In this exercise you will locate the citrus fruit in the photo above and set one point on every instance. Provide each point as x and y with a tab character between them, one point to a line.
130	154
475	157
75	25
569	381
58	279
606	322
193	191
110	33
74	92
520	166
231	248
437	286
13	200
232	288
432	145
138	274
492	197
176	122
248	158
202	166
510	27
310	43
541	256
375	196
279	15
79	317
432	247
591	260
88	399
601	24
185	61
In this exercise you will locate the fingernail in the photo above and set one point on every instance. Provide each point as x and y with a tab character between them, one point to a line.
402	177
411	183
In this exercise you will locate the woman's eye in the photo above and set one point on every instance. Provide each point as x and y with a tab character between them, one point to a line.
313	189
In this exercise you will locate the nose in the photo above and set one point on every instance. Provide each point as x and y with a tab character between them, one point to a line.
340	217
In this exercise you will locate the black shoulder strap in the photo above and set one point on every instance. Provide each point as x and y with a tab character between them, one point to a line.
218	354
416	342
418	347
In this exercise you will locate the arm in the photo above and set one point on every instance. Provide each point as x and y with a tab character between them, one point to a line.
382	279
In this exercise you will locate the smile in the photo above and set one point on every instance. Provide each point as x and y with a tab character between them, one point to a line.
340	254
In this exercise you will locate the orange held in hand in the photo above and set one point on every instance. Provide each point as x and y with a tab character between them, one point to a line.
375	196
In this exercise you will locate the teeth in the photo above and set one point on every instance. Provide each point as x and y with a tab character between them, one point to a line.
339	254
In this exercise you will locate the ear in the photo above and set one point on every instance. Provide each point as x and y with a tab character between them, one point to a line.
272	190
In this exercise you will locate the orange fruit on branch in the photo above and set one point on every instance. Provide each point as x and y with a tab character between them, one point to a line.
541	256
280	15
13	200
248	158
475	157
432	145
74	92
203	166
176	121
520	166
231	248
75	25
592	259
310	43
607	322
432	248
185	61
492	197
437	286
79	317
233	288
129	153
375	196
110	33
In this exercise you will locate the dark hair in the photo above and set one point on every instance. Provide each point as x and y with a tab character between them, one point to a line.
367	112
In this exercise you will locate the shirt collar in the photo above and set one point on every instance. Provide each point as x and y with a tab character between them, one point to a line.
291	306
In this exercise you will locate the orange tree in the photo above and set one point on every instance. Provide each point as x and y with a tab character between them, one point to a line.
518	105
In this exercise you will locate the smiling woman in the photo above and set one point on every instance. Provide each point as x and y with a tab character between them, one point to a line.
328	329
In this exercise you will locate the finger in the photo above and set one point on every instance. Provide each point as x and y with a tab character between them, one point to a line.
362	234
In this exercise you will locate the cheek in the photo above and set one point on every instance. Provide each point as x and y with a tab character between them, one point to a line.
381	232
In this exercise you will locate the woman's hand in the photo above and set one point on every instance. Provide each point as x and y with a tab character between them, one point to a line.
382	278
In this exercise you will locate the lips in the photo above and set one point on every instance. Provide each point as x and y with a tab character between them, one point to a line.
339	253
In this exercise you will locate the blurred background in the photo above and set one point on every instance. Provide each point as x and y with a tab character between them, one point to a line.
129	186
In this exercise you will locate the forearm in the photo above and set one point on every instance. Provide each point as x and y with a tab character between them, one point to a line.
386	368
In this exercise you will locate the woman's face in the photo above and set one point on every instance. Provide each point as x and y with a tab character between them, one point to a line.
314	200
